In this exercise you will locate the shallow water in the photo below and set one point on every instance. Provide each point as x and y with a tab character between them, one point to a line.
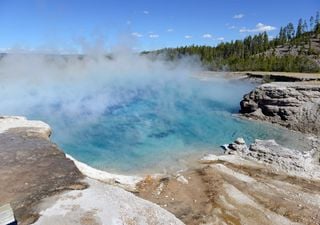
156	129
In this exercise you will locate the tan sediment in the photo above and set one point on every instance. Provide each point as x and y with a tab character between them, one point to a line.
224	192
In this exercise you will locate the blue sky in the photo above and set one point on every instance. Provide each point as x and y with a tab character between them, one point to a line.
141	24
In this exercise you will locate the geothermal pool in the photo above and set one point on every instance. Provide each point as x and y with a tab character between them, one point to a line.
140	118
157	129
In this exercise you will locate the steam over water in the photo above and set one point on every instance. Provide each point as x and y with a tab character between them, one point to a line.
129	114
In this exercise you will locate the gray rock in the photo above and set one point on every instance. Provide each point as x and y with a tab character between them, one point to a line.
240	141
295	105
237	147
269	152
32	167
182	179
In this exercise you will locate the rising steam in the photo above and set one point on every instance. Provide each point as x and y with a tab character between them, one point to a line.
74	86
121	108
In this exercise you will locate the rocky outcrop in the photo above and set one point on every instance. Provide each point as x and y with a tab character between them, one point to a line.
102	204
31	167
293	105
292	162
30	127
263	183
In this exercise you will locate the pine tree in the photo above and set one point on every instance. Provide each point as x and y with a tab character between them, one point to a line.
299	28
265	41
317	21
256	52
290	31
311	24
282	35
304	27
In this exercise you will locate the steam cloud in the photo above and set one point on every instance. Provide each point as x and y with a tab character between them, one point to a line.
82	88
123	102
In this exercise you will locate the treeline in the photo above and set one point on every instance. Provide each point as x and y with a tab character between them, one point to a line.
258	52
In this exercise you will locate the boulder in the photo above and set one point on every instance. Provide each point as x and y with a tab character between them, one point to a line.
291	161
295	105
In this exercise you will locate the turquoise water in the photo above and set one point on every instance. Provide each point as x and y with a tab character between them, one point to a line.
154	127
135	121
130	114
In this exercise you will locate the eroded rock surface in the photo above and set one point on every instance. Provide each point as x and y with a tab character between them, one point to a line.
102	204
240	188
31	167
295	105
293	162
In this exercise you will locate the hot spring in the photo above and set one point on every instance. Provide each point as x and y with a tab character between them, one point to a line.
129	114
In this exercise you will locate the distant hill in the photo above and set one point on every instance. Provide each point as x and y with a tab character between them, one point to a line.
309	47
295	49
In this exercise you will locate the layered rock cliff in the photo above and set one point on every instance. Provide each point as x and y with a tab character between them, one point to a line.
295	105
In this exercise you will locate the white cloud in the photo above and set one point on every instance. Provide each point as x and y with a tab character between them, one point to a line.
260	27
188	36
238	16
208	36
153	35
220	38
146	12
170	30
136	34
271	37
232	27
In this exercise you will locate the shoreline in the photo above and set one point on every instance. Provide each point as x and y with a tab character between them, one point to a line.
260	74
126	182
174	192
43	185
239	188
202	193
236	183
129	181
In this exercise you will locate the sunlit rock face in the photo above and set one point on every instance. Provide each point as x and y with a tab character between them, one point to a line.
294	105
31	166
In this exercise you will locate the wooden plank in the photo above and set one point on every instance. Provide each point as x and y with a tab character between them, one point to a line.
6	215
